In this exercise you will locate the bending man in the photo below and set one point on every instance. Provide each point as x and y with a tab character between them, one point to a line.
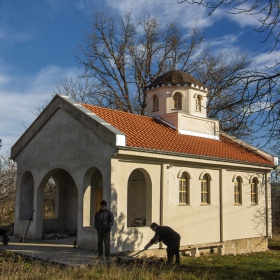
170	238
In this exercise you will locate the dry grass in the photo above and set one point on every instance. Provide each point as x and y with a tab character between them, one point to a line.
265	265
15	267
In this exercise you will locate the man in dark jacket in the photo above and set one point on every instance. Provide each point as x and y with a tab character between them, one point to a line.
104	221
170	238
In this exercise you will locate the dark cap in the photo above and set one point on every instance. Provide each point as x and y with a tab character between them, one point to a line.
103	202
153	225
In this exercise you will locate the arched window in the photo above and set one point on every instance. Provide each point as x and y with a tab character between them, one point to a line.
155	103
205	190
254	191
198	103
184	189
177	101
238	191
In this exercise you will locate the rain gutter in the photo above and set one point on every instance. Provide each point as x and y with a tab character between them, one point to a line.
161	152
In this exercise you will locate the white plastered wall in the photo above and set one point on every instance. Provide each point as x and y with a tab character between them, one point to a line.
63	143
219	221
245	220
132	238
193	220
165	95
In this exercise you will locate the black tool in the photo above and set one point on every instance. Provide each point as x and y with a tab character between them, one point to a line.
135	254
31	219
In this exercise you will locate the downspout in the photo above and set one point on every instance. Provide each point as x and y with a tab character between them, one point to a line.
266	206
221	206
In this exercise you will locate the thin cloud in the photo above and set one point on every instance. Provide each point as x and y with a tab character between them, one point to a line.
266	60
80	4
18	102
226	40
184	14
4	80
165	11
12	34
250	18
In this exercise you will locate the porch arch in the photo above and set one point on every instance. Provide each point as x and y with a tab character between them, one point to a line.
26	196
66	207
139	197
93	195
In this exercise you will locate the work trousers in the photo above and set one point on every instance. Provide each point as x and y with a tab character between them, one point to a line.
103	237
173	249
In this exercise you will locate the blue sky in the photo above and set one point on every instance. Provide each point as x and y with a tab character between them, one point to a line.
37	40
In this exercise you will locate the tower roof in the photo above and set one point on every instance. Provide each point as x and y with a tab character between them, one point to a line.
176	78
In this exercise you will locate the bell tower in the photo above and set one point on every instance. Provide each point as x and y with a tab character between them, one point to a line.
180	100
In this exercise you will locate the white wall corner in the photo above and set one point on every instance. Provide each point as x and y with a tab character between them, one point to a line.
120	140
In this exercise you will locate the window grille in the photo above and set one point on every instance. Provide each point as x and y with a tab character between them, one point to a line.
177	101
205	190
183	189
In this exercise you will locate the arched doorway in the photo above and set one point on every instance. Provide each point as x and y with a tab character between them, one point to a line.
26	196
66	204
139	198
98	191
93	195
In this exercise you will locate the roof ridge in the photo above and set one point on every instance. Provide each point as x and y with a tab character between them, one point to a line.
115	110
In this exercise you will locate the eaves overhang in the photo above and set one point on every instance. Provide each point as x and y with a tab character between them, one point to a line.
273	159
184	155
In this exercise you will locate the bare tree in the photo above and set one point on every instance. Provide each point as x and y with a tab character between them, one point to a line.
38	110
268	12
8	173
82	89
122	56
260	88
49	199
217	72
258	95
226	98
275	206
275	174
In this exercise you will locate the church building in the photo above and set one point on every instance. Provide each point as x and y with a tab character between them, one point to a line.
173	167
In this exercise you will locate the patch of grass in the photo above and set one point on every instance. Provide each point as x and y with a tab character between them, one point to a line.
264	265
274	243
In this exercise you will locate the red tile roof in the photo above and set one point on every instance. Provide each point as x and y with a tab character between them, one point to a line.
149	133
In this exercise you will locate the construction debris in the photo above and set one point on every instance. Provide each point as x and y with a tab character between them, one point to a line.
56	234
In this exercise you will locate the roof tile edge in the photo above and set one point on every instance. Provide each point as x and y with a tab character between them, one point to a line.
256	150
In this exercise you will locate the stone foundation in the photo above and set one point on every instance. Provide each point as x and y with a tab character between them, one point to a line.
230	247
246	245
